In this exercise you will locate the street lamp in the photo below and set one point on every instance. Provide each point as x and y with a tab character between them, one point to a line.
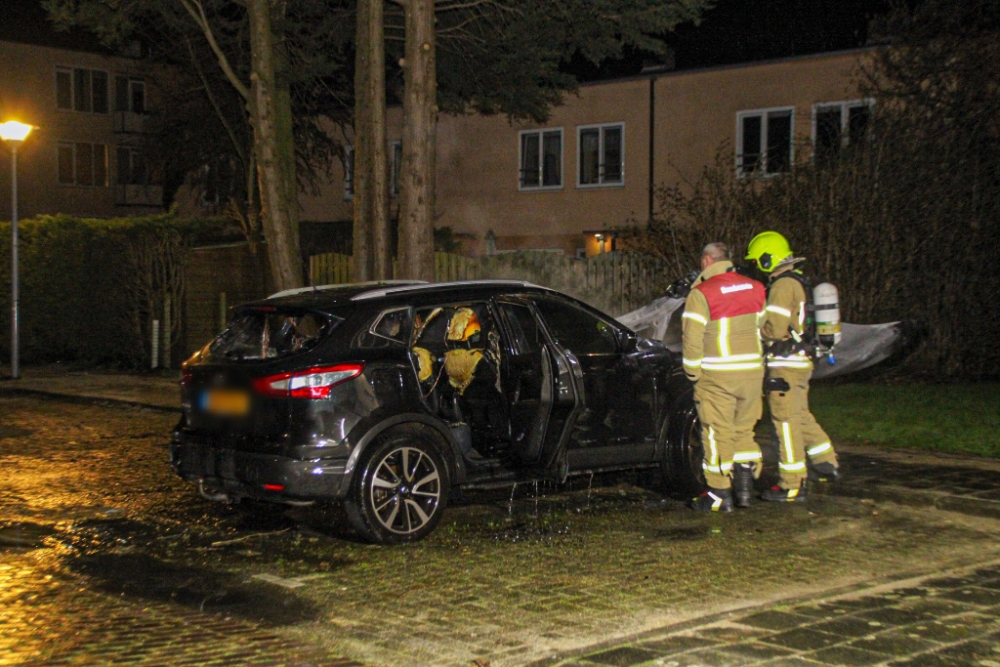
13	133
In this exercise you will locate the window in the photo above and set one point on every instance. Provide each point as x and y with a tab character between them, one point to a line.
600	155
396	154
541	159
82	90
132	167
83	164
764	141
266	334
348	172
577	330
390	329
130	94
839	124
525	338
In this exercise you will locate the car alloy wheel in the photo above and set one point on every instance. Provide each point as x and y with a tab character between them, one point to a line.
405	490
401	490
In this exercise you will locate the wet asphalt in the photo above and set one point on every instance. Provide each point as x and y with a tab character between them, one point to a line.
107	558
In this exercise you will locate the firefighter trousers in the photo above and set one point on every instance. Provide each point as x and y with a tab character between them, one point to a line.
729	404
799	435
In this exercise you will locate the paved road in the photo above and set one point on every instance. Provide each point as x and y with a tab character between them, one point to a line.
106	557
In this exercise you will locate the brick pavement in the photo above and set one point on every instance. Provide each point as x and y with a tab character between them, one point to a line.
48	617
944	620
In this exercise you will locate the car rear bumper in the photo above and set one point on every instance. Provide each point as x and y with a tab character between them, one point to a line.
247	474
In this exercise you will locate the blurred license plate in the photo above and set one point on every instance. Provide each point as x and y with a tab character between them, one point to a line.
226	402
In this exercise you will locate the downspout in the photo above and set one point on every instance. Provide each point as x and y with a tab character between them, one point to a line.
652	142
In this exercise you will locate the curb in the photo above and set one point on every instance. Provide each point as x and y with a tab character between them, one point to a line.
682	626
85	400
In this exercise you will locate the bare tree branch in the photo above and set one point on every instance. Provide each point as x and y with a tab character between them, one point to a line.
197	12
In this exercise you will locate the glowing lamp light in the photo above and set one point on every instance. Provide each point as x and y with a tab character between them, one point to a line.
14	131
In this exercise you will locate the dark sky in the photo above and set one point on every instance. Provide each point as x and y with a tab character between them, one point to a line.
737	31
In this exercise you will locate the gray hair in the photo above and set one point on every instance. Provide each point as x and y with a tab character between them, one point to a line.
719	252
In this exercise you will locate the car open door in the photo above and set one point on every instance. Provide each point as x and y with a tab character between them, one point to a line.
540	386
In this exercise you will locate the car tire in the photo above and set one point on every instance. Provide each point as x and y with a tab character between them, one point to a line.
400	489
682	465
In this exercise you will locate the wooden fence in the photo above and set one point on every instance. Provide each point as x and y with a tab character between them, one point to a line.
615	282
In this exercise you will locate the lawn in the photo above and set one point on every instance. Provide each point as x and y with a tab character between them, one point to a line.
948	418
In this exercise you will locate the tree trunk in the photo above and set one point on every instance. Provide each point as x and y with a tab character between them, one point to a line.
270	108
371	221
416	206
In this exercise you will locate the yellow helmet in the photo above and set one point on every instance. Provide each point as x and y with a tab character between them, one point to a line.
767	250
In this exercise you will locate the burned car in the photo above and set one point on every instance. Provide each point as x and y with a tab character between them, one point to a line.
389	396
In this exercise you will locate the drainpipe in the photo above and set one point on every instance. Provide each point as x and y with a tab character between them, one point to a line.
652	142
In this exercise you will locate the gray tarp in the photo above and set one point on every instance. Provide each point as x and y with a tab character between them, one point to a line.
861	345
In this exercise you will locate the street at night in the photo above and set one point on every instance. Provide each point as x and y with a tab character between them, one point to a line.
109	558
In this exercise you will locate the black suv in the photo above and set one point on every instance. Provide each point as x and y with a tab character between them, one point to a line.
388	396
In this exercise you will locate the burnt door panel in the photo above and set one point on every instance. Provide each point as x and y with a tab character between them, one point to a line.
528	381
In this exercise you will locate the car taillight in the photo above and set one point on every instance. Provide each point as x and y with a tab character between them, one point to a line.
310	383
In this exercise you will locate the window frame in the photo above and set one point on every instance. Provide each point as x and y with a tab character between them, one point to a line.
845	107
89	93
763	114
601	152
72	145
541	132
133	154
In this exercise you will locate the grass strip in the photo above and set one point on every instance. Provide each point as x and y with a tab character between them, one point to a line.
961	418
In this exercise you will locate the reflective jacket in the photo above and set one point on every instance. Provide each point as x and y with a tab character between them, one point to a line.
785	313
721	319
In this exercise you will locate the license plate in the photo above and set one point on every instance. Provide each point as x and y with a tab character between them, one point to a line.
226	402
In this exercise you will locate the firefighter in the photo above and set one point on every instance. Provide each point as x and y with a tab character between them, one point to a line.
790	339
723	357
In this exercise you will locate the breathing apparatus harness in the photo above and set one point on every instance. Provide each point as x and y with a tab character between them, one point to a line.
816	339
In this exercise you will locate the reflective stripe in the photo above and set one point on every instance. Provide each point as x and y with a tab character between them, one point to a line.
734	357
692	363
788	363
740	457
741	366
714	457
716	502
694	316
802	314
821	448
779	310
724	337
721	469
793	467
786	432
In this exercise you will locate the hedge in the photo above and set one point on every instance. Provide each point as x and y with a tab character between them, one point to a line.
78	297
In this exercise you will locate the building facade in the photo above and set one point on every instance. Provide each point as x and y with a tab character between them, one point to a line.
84	158
566	185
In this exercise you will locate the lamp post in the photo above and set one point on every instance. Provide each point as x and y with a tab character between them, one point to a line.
13	133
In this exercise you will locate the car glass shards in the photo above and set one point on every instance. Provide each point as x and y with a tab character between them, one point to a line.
270	333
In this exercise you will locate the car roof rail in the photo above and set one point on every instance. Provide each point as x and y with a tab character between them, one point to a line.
378	293
319	288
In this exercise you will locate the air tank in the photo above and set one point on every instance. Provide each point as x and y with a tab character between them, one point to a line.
827	303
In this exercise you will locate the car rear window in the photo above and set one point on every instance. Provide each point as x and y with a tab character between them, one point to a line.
270	333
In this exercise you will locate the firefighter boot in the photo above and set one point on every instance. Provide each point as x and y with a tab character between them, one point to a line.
713	500
742	484
823	472
776	494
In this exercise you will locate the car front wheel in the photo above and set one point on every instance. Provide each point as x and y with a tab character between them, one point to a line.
683	464
401	488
